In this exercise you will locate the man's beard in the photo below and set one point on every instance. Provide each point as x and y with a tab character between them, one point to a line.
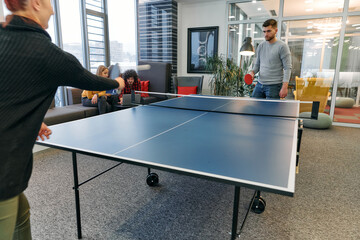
270	38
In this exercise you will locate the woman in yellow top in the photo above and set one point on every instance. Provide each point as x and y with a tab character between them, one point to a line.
99	98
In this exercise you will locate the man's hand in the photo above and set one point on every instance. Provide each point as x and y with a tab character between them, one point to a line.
44	132
252	74
284	90
121	83
94	99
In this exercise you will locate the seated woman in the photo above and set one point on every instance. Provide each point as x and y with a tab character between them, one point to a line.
99	98
131	83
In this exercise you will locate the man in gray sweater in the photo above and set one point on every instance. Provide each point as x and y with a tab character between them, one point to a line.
273	62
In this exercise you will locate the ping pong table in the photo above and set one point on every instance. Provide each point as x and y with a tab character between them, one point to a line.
235	141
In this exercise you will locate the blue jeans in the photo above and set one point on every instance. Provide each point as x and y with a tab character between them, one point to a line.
267	91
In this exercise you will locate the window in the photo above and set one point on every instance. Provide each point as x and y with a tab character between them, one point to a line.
122	33
71	28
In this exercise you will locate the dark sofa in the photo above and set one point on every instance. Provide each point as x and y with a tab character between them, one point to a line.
159	76
74	111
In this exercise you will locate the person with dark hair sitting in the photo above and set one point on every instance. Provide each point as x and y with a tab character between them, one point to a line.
132	83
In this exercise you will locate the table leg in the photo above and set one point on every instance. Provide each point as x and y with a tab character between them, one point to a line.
77	196
235	213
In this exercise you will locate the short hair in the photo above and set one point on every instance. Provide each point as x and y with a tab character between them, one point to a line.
16	5
270	22
100	69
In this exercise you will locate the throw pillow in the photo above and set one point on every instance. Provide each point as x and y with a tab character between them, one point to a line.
145	88
187	90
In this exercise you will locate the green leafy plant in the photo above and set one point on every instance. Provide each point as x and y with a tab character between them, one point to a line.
227	78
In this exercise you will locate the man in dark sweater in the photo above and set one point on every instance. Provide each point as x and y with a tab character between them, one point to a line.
31	70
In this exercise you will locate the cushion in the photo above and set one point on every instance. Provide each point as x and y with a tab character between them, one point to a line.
343	102
323	121
145	88
187	90
52	105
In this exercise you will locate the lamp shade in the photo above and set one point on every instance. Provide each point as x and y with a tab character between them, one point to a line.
247	49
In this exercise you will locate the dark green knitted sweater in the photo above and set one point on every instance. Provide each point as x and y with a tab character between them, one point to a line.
31	69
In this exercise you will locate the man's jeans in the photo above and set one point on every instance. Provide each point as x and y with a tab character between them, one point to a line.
267	91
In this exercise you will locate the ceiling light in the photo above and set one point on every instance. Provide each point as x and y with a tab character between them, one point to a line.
248	29
254	1
309	10
309	31
259	9
231	16
354	25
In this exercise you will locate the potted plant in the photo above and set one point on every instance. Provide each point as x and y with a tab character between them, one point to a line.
227	77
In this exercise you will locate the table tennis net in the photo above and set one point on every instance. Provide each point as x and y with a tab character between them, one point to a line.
233	105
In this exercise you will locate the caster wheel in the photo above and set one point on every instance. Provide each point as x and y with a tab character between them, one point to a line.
152	179
258	205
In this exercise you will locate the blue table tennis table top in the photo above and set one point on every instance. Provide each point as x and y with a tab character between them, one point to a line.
247	149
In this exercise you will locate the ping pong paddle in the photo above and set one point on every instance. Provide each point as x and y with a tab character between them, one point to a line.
248	79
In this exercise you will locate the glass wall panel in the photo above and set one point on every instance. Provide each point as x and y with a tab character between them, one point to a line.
71	28
122	33
314	47
312	7
354	5
238	32
253	10
347	102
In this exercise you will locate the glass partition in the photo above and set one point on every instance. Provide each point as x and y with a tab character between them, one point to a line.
253	9
314	47
354	5
347	102
312	7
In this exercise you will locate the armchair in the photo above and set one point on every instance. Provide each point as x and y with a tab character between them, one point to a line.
188	81
312	89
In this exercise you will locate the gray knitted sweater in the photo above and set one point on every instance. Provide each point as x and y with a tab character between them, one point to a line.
273	61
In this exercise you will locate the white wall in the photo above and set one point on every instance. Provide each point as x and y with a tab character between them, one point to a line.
201	14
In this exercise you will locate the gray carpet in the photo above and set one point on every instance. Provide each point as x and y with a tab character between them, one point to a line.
119	204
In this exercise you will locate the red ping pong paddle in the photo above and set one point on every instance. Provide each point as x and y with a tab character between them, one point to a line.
248	79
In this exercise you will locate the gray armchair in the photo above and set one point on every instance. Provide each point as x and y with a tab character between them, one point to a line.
189	81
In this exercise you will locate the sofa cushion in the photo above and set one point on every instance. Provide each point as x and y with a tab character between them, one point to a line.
52	105
74	95
145	88
323	121
187	90
62	114
88	111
